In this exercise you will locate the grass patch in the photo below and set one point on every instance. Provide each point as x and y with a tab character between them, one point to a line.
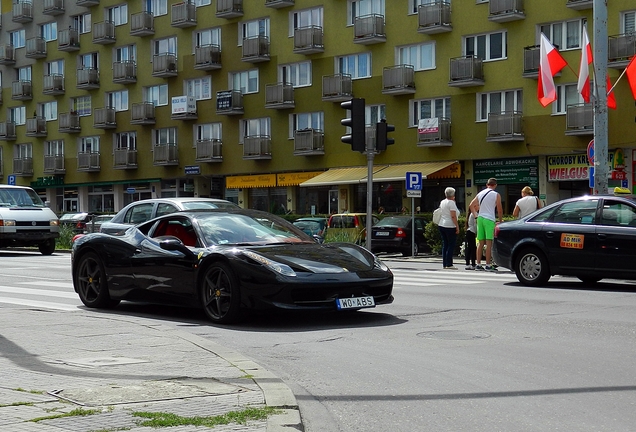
20	389
158	419
79	412
17	404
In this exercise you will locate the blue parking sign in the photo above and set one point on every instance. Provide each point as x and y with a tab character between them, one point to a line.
413	181
11	179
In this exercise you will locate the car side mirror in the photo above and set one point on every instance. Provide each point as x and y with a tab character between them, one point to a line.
174	244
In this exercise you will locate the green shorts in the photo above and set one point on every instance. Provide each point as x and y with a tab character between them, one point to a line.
485	229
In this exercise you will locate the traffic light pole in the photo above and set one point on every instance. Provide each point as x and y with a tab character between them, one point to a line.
370	157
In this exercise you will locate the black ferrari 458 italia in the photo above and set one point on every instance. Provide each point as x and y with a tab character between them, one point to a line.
226	261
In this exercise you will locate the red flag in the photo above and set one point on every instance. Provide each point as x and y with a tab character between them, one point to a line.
630	71
550	64
584	72
611	98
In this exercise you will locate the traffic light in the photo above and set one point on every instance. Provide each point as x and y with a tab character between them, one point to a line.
357	137
381	140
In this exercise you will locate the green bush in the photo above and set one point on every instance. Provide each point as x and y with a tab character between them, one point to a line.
434	238
64	241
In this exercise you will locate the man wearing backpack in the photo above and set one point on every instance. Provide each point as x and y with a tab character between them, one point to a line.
486	206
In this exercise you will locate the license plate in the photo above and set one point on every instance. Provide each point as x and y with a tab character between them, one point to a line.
355	303
382	234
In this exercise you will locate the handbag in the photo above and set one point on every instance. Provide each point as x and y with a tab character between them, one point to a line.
437	215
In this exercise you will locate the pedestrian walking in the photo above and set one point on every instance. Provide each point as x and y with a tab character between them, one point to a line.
486	207
470	249
526	204
448	227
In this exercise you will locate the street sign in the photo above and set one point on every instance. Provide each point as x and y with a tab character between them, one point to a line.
413	184
590	153
131	190
11	179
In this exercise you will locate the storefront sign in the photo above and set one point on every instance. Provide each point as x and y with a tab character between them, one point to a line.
568	167
523	171
251	181
294	179
48	181
192	169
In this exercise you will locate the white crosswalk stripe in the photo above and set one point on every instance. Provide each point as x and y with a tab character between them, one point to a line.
62	298
445	277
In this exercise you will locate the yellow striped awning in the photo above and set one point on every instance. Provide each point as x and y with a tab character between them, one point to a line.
250	181
295	178
337	176
445	169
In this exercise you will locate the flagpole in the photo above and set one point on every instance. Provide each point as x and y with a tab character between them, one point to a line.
601	171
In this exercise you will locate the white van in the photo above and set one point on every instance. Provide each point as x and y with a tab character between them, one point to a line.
26	221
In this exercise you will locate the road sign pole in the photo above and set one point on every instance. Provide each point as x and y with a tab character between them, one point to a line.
370	156
412	226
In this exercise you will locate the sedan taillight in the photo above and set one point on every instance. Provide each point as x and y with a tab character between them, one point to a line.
496	230
400	233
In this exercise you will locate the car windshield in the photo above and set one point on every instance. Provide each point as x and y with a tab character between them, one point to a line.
230	228
68	217
308	225
202	205
19	198
393	221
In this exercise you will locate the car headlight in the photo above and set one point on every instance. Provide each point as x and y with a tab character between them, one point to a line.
54	222
7	222
277	267
377	263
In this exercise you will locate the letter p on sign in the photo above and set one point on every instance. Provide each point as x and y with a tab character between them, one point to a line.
413	181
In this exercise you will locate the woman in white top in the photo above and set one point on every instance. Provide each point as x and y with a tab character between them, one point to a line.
448	227
526	204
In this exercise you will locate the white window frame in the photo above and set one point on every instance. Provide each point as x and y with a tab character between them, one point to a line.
200	88
414	55
18	115
164	136
166	45
24	73
125	53
211	36
345	64
199	3
156	7
414	5
253	28
374	113
82	23
17	38
88	144
89	60
118	14
48	31
304	121
125	140
208	131
48	110
21	151
306	18
441	105
488	98
567	94
359	8
54	148
486	37
561	41
260	127
244	81
157	94
628	22
82	105
55	67
117	100
297	74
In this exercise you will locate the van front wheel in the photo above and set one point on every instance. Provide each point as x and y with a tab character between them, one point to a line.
47	247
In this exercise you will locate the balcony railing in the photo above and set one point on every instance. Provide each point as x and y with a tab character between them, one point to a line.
466	71
88	161
69	123
22	11
277	4
35	48
256	49
434	17
125	72
142	24
21	90
53	84
399	79
308	40
279	96
7	131
369	29
68	40
104	32
88	78
621	49
7	54
506	126
125	159
54	164
229	102
506	10
309	142
143	113
337	88
164	65
229	8
184	15
580	4
207	57
104	118
53	7
165	154
257	147
434	132
87	3
36	127
23	166
579	119
531	59
209	150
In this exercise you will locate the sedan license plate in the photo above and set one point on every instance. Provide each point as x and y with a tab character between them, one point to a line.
355	302
381	233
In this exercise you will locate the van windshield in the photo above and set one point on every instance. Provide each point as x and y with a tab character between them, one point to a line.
19	198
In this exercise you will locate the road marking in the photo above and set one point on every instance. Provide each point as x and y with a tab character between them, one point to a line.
39	292
49	284
38	304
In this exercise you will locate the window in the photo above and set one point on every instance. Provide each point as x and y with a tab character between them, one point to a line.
165	136
88	144
126	141
156	7
165	46
628	22
246	81
49	31
24	73
54	68
207	37
88	61
578	212
82	23
357	65
250	29
374	113
17	39
421	57
298	74
23	151
158	95
48	110
118	100
17	115
491	46
305	18
429	108
118	14
200	88
54	148
208	131
567	94
617	213
303	121
199	3
415	4
259	127
359	8
498	103
125	53
564	35
81	105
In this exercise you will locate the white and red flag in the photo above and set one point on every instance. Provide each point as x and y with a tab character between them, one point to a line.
551	63
584	69
630	71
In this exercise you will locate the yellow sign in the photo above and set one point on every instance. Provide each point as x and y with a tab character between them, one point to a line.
451	171
251	181
294	179
572	241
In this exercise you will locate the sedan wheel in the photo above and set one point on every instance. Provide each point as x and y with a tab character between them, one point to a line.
91	283
532	268
220	294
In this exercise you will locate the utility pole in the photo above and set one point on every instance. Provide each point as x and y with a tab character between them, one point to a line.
600	102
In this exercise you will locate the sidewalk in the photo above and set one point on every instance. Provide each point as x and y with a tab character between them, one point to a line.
54	362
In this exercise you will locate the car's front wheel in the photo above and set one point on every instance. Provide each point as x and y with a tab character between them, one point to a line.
47	247
91	282
532	268
220	294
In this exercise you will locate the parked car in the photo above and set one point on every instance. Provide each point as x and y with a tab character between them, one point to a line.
141	211
394	234
76	220
95	224
224	261
313	226
348	227
589	237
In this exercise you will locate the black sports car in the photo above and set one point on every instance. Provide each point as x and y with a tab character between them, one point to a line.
226	260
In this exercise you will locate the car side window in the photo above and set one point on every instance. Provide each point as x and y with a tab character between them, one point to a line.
577	212
618	214
418	224
138	214
164	209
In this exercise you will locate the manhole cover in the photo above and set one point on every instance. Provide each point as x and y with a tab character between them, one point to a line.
453	335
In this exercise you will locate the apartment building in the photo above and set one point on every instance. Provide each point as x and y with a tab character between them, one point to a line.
105	102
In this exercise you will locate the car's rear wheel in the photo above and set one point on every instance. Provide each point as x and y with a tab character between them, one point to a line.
92	284
47	247
532	268
589	280
220	294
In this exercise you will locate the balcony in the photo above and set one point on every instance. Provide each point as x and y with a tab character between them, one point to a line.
104	33
104	118
255	49
7	131
369	29
579	119
68	40
337	88
580	4
279	4
21	90
184	108
505	127
207	57
309	142
209	150
69	122
54	164
434	132
88	78
506	10
87	3
279	96
257	147
88	161
53	84
229	102
143	113
125	72
53	7
184	15
35	48
434	18
22	11
308	40
531	60
398	80
7	54
164	65
229	8
466	71
142	24
621	49
165	154
36	127
23	167
125	159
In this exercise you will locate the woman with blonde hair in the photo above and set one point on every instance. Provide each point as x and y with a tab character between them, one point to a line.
527	203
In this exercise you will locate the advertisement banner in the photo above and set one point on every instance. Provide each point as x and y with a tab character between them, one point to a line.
430	125
524	170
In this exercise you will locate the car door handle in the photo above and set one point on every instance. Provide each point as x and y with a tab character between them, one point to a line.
602	236
549	234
